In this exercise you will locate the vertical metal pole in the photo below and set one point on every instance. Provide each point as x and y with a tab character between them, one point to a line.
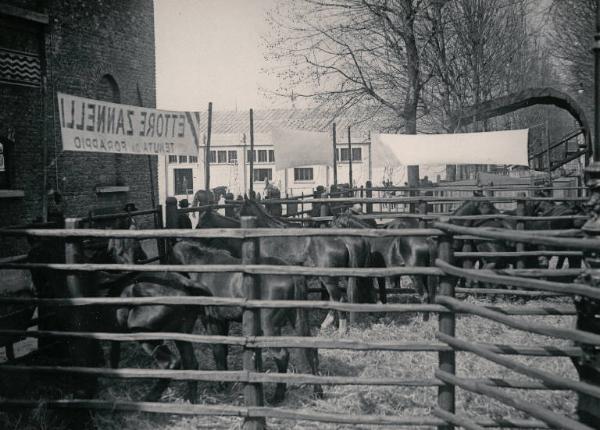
43	96
334	158
207	155
596	143
370	159
252	359
548	156
350	159
446	325
251	152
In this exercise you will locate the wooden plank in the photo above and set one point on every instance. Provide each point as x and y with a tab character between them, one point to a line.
516	236
555	380
235	411
552	418
506	291
251	269
237	233
563	333
299	342
516	254
491	277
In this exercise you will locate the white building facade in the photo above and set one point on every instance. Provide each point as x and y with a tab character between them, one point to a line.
229	161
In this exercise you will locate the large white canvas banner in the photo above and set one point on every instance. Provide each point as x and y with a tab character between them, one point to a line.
295	148
494	147
97	126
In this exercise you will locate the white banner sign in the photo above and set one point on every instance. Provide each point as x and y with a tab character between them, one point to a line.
295	148
97	126
494	147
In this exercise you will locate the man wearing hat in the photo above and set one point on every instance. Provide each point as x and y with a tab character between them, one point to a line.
183	220
356	209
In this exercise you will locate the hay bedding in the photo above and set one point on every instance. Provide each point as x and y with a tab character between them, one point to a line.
340	399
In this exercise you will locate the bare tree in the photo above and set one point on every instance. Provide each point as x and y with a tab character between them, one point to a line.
346	53
573	24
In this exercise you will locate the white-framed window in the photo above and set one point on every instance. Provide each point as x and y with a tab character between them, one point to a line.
172	159
250	155
343	154
232	157
303	174
217	157
262	155
261	174
184	181
193	159
183	159
271	156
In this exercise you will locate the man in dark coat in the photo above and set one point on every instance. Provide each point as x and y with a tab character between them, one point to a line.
183	220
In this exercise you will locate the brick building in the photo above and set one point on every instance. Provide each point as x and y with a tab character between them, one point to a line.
100	49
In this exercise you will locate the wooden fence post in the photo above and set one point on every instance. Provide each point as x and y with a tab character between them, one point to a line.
369	191
171	221
252	359
81	352
446	325
160	242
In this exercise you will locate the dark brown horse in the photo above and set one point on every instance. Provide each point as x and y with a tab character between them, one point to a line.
50	283
315	251
272	287
154	318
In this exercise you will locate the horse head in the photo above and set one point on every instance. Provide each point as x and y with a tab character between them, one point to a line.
125	250
263	218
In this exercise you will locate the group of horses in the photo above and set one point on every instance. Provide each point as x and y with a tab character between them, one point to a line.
311	251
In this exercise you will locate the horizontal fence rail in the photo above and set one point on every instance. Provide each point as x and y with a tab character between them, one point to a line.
446	307
235	233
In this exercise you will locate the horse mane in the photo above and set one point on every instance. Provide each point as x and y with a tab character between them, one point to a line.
259	211
347	220
207	249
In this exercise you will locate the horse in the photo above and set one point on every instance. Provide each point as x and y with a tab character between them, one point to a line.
272	287
315	251
547	208
51	283
484	207
415	251
154	318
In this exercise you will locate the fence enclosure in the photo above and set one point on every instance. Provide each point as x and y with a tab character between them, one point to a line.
254	412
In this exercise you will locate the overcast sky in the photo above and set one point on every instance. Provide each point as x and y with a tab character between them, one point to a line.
210	50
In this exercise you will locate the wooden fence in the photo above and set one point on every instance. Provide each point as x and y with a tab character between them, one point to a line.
254	414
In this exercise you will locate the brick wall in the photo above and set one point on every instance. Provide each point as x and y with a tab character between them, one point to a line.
84	42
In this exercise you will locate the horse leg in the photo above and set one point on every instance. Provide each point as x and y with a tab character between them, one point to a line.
165	360
352	294
272	327
220	351
335	296
115	354
188	362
